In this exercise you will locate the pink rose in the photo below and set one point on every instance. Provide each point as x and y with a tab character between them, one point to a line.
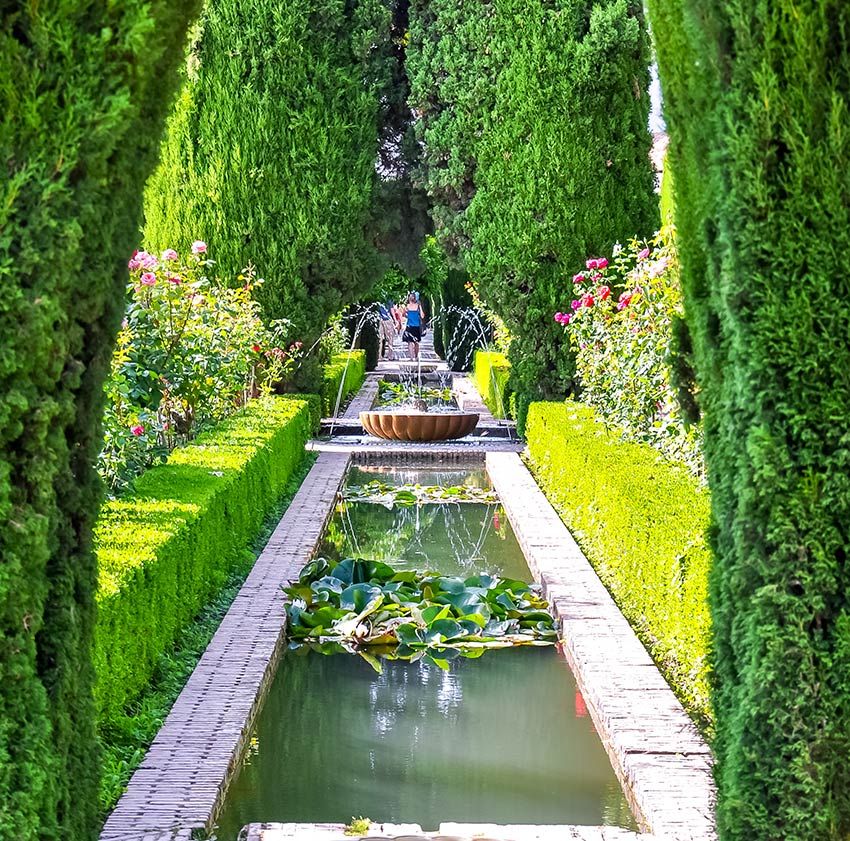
602	263
133	264
170	254
625	300
147	261
642	255
592	263
578	278
137	430
148	279
558	316
604	293
575	305
199	247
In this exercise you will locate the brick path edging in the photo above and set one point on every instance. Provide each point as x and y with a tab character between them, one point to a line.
180	785
662	761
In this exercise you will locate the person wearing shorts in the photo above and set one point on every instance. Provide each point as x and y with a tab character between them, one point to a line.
388	331
415	325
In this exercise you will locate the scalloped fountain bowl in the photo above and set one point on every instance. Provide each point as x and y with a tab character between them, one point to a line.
419	426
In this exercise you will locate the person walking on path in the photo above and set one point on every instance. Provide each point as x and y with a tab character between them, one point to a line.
387	335
415	325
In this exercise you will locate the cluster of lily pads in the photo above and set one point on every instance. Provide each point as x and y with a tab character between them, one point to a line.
396	394
382	493
371	609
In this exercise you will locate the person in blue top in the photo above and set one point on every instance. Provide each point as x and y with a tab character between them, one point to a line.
415	326
386	338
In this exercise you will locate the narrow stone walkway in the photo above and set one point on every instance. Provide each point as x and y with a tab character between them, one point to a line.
180	784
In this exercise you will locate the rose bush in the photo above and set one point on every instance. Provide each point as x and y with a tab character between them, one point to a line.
191	351
619	324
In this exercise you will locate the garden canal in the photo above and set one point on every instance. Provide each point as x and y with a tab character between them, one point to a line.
501	738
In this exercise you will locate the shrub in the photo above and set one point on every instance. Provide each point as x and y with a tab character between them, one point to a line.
490	374
190	352
166	549
346	369
620	330
84	88
283	177
641	521
757	104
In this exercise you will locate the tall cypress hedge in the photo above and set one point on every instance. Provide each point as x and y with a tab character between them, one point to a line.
83	91
534	118
452	76
757	98
563	169
271	149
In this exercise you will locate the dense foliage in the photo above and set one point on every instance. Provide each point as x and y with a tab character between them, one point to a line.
164	550
534	121
84	88
641	521
270	154
620	329
491	374
757	104
372	609
191	351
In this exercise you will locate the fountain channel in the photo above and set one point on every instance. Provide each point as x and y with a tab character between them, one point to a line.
504	738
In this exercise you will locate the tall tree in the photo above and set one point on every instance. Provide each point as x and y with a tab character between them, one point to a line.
84	87
536	115
757	98
271	150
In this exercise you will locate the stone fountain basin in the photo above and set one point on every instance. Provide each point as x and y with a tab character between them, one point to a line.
419	426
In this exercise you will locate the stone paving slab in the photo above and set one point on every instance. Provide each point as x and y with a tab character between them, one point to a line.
659	755
447	832
181	782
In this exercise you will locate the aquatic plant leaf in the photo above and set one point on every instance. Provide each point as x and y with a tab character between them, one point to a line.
434	612
445	629
374	662
358	596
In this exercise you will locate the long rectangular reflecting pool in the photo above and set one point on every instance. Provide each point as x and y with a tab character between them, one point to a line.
504	738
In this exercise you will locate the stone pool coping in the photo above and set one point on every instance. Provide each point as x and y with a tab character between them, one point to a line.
180	785
446	832
663	763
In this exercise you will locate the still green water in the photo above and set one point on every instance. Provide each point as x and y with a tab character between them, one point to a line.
460	539
501	739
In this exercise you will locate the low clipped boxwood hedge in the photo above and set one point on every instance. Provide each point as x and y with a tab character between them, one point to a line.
642	521
490	375
349	365
166	549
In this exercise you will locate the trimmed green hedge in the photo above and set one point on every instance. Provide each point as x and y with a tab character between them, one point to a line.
641	521
490	375
85	86
314	408
349	364
166	549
